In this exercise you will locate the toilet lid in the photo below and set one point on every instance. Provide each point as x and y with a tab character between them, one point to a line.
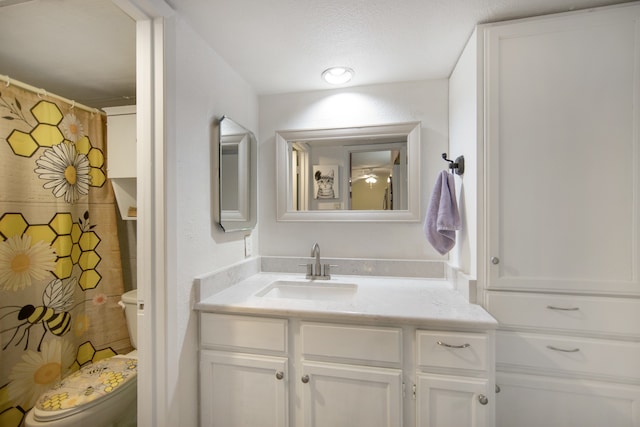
87	387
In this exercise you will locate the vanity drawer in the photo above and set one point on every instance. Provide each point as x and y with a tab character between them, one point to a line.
603	315
451	350
243	332
590	356
355	343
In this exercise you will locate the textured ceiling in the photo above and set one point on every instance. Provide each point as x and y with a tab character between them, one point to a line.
284	45
85	49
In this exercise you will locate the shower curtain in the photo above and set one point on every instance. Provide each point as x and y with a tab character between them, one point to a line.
60	268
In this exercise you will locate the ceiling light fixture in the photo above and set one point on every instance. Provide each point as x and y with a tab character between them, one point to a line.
371	179
337	75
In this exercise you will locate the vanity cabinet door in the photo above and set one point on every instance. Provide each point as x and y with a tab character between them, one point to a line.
337	395
247	390
449	401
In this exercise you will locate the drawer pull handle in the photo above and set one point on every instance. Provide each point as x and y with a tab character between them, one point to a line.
565	350
553	307
279	375
444	344
483	399
305	379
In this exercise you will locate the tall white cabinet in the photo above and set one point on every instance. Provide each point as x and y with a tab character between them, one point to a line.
558	148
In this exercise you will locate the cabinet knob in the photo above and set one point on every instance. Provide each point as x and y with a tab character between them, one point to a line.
305	379
483	399
279	375
495	260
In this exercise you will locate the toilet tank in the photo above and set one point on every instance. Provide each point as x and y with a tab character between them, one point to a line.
130	305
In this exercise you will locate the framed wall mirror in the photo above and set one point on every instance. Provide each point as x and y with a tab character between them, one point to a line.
236	163
367	173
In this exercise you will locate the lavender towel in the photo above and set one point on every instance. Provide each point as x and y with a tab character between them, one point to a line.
443	217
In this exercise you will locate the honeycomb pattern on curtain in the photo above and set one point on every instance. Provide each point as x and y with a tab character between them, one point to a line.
60	269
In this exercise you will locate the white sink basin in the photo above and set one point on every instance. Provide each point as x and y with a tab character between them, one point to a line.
309	290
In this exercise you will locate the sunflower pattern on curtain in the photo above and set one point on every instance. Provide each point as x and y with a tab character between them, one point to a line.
60	270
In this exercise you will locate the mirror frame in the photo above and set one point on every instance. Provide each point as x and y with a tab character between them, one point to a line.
245	218
284	139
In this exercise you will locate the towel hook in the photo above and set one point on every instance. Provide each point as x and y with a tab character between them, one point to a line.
457	166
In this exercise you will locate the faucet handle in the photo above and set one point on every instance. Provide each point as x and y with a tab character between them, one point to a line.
327	270
309	269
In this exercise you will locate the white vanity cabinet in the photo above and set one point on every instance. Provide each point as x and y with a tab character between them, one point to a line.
244	371
559	199
350	375
269	371
454	379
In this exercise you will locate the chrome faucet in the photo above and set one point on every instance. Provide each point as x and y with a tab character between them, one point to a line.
315	271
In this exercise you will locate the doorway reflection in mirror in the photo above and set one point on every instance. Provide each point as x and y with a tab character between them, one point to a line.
371	178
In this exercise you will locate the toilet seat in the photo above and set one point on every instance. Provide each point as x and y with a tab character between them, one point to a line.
90	386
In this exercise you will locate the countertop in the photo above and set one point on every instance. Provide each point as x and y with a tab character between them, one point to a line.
380	300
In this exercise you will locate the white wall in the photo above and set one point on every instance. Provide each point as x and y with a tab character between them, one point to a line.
463	137
200	87
424	101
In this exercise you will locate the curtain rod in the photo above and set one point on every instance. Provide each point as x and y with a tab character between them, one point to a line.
42	93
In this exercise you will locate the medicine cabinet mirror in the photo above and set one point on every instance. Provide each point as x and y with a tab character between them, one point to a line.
369	173
237	173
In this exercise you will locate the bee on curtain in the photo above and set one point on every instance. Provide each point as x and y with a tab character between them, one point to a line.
54	313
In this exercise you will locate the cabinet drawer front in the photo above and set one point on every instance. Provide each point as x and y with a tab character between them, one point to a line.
358	343
451	350
536	400
596	357
243	332
604	315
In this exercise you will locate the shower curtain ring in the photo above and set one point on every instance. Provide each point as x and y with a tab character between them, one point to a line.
42	93
73	104
8	82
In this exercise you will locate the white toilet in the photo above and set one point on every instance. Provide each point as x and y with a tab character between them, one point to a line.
100	394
